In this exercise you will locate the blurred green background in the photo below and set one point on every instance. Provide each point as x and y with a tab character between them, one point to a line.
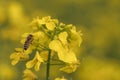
99	21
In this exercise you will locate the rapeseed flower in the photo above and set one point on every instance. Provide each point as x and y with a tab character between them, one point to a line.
18	55
29	75
50	38
36	62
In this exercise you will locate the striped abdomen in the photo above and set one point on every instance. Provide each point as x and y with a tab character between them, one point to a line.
28	41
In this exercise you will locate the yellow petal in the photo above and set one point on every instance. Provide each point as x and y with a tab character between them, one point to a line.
50	25
30	64
29	75
69	57
64	53
63	37
38	57
39	60
14	62
13	55
24	56
75	37
69	69
79	39
37	66
44	55
55	45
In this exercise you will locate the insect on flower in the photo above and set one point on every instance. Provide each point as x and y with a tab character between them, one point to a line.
28	41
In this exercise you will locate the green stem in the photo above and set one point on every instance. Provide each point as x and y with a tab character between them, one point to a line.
48	61
48	66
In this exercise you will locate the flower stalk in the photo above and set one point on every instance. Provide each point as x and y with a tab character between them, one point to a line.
48	66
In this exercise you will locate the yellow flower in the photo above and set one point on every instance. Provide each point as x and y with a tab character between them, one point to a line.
75	37
18	55
63	52
36	62
29	75
50	25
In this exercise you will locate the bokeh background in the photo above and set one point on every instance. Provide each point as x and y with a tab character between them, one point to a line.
99	21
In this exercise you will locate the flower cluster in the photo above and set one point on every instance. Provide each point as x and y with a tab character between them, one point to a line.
49	34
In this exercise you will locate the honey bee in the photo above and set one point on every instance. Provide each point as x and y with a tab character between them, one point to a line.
29	39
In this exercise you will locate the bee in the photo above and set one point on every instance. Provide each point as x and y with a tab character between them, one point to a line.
29	39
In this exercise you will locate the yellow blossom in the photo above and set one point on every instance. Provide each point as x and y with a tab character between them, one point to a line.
18	55
29	75
49	34
36	62
50	25
64	53
63	37
75	37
